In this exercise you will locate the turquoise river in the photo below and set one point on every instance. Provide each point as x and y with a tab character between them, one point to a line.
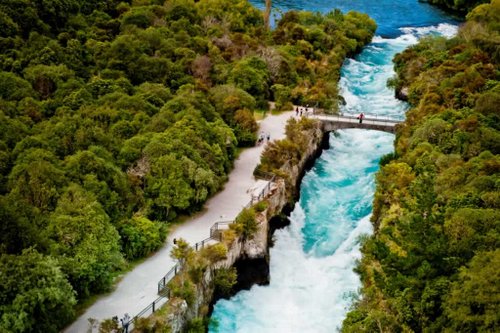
311	263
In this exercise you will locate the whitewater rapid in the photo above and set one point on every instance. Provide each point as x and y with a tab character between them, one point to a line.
311	263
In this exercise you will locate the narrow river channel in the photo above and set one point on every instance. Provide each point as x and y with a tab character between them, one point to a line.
311	266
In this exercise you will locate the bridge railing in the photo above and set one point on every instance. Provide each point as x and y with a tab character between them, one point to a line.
354	118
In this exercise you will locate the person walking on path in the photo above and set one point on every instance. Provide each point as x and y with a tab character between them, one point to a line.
268	137
261	138
360	117
125	322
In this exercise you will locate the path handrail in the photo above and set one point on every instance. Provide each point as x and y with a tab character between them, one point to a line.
214	230
264	175
262	194
216	235
201	244
162	284
151	306
155	305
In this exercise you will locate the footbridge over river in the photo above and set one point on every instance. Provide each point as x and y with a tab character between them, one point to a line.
335	122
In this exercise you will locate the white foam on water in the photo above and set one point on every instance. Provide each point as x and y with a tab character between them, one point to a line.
364	81
306	294
312	280
443	29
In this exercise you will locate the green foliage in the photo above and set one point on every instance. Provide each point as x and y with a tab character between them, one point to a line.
251	75
224	280
227	99
473	301
290	150
245	223
19	227
14	88
214	253
32	290
183	288
182	252
282	96
197	325
460	6
387	158
430	266
46	79
141	236
245	128
315	47
84	241
261	206
37	179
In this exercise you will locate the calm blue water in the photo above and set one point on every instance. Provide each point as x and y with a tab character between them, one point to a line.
312	261
390	15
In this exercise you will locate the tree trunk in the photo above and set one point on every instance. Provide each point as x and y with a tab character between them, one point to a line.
267	13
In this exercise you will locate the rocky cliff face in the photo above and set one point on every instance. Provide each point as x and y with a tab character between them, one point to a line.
318	142
402	94
283	193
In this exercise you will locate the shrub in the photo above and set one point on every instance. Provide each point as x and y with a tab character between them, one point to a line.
141	236
197	325
245	224
214	253
183	289
261	206
224	280
387	158
228	236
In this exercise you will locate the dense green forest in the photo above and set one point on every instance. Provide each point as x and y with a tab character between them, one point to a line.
433	263
116	117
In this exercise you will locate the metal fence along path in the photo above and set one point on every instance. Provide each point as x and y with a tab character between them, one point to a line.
216	231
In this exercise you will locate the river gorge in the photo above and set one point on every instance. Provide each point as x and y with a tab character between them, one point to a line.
312	282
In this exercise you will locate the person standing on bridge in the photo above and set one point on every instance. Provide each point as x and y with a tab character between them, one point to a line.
360	117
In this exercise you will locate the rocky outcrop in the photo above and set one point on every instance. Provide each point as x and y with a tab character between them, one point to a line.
318	141
402	93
